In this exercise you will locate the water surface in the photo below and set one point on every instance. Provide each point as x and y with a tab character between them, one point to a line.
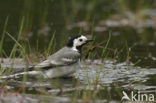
128	64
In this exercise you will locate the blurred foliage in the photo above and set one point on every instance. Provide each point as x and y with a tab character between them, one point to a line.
40	19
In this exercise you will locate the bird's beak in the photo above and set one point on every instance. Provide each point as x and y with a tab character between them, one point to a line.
89	38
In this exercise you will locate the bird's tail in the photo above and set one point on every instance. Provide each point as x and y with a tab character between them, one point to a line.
20	72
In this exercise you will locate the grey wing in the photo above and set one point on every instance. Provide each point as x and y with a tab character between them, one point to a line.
60	59
70	58
46	63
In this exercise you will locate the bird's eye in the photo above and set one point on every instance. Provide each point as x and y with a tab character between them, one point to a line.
80	40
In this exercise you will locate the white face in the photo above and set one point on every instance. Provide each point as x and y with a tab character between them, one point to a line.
80	41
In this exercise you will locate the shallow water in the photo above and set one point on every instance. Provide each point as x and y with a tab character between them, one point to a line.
129	62
111	77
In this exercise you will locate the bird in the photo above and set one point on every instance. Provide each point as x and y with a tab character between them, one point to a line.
60	64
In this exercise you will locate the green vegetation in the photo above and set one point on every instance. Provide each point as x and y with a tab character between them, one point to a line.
124	31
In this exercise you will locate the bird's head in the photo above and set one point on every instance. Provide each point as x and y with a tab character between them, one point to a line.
76	42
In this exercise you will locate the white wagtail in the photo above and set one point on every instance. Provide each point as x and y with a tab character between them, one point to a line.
62	63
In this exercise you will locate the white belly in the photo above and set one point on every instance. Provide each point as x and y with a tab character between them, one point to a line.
62	71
